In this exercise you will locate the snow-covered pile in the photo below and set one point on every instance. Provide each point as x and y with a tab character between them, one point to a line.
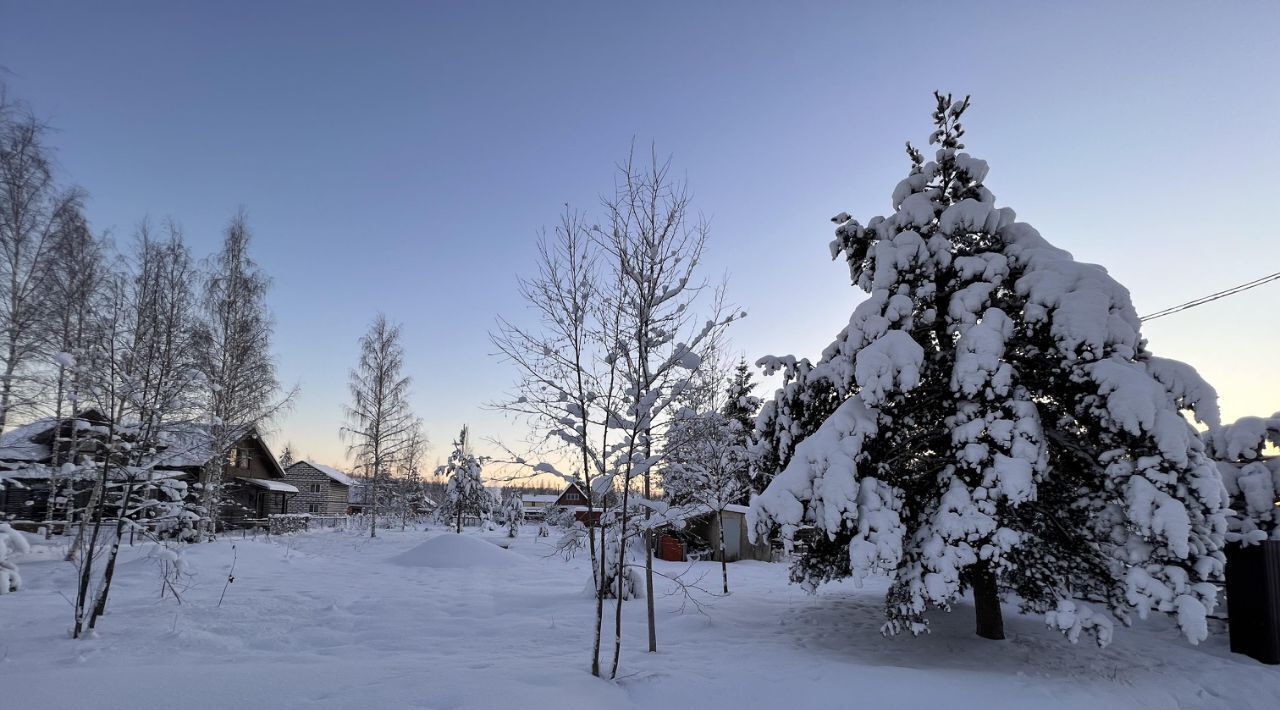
456	551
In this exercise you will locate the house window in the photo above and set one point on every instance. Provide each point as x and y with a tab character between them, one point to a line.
239	458
315	488
313	507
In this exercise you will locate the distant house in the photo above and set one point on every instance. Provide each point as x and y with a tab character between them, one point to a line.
322	490
253	482
572	499
535	504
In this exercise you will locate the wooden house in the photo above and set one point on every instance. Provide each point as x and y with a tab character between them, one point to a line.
322	490
572	499
253	481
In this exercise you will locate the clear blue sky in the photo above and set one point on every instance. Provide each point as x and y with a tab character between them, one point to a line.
401	156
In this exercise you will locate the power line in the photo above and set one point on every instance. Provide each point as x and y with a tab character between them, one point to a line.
1212	297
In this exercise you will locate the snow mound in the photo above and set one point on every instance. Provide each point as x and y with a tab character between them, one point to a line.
456	551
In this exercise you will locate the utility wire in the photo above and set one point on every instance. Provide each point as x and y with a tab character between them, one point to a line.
1212	297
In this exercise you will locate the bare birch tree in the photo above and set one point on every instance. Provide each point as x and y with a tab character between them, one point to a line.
33	210
654	246
409	492
380	424
233	341
566	384
603	363
75	288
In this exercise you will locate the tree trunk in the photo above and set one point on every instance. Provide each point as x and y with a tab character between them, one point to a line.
597	571
724	563
86	556
986	604
373	503
648	562
6	389
100	606
622	561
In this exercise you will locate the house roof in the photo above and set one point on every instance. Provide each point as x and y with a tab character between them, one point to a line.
539	498
572	487
270	485
18	444
333	473
181	444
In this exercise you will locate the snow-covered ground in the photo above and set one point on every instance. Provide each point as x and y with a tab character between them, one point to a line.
335	620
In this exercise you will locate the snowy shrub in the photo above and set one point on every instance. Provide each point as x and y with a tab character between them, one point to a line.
631	563
559	517
513	511
1252	479
990	420
12	543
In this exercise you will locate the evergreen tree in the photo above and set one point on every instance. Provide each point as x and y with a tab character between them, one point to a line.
1252	478
991	420
740	405
741	408
286	456
464	493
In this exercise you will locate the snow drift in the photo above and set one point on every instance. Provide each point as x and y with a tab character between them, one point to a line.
456	551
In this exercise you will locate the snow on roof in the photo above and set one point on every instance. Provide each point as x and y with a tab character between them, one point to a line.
270	485
178	444
188	444
36	473
17	445
339	476
538	498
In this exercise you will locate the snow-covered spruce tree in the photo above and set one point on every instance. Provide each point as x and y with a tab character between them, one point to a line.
741	406
464	493
991	420
1252	478
513	511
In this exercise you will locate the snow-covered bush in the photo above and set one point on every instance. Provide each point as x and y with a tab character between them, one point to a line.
12	543
1252	478
991	420
558	517
513	511
632	564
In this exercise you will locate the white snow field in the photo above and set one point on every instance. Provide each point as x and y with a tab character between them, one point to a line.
336	620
